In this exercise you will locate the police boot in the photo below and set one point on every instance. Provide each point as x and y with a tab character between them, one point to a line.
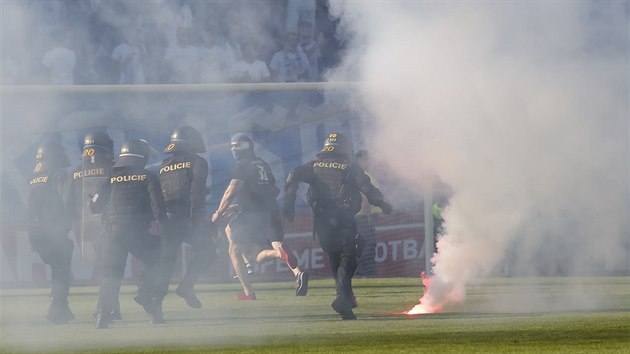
188	294
144	299
115	315
67	313
107	297
157	317
99	306
344	308
57	314
98	310
103	320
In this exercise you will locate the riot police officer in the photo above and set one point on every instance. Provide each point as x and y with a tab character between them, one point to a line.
131	201
183	178
49	221
335	187
97	160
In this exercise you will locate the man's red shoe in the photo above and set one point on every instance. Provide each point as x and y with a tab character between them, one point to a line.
243	297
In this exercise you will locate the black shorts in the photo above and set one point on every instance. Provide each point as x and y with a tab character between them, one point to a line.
251	228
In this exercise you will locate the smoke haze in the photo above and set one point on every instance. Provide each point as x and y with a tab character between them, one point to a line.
522	108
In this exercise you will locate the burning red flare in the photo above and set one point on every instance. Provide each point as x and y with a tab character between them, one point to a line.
423	307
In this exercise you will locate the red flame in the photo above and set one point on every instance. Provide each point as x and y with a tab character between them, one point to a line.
422	307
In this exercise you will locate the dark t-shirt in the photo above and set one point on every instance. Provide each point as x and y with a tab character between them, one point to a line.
259	190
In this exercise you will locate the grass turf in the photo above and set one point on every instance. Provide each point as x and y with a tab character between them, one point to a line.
569	315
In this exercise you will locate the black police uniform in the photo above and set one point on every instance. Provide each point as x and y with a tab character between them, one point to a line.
49	221
87	179
258	221
335	187
183	181
130	200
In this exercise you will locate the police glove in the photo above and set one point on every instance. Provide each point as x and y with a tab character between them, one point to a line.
386	207
92	199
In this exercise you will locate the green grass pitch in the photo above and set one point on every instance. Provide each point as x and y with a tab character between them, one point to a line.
566	315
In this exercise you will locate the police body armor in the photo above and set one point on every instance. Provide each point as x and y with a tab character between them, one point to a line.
88	179
129	197
47	213
334	189
176	174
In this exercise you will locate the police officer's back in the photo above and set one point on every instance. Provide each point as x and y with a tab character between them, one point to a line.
131	200
132	194
49	221
335	186
183	178
335	182
87	178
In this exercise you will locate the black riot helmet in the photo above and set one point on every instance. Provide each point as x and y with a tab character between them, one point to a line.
52	155
338	144
242	146
134	152
98	140
186	139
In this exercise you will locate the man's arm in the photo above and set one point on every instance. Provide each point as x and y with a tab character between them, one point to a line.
300	174
230	192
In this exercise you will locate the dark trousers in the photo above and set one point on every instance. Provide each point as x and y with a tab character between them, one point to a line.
367	229
337	235
173	234
121	240
100	265
55	249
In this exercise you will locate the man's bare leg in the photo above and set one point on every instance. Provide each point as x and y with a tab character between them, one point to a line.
274	253
236	256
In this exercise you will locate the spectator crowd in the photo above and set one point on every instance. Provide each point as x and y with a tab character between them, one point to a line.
174	42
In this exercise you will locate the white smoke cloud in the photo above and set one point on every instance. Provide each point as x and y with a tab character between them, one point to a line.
522	108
